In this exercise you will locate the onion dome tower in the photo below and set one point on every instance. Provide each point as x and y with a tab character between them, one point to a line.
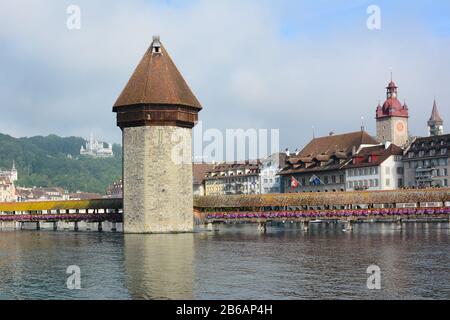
156	112
392	118
435	124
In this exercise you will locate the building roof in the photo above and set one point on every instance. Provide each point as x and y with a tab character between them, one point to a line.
373	156
392	107
336	144
426	144
328	153
156	81
435	116
200	171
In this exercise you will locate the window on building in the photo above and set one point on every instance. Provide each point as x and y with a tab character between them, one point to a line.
443	151
333	179
400	183
388	182
399	170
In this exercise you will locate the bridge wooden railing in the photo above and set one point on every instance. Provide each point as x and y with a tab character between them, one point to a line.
39	206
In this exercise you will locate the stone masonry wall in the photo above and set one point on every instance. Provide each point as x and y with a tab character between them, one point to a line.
158	195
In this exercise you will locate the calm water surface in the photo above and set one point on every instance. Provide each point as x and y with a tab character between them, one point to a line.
235	263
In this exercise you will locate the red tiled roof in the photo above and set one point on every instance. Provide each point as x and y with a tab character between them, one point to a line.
200	170
320	153
156	80
378	155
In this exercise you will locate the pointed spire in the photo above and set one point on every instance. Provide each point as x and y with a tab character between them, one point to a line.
157	81
435	116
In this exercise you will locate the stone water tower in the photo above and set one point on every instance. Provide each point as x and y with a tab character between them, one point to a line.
156	112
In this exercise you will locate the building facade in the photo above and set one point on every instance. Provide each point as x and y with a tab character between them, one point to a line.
375	168
200	171
270	181
392	119
426	162
7	190
233	179
96	149
12	175
115	191
319	166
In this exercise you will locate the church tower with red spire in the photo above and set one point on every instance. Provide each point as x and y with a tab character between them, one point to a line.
156	112
392	118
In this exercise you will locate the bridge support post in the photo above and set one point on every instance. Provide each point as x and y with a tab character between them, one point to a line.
75	226
38	225
114	226
305	226
100	227
55	226
349	225
399	223
262	227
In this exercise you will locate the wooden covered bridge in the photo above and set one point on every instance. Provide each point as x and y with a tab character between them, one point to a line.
349	207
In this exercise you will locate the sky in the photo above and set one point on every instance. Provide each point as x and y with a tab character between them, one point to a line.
253	64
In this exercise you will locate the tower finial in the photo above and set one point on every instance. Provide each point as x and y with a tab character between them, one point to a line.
392	78
362	123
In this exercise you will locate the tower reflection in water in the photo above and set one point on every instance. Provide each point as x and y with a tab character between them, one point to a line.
159	266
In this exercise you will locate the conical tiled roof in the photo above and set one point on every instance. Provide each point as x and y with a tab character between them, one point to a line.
156	81
435	117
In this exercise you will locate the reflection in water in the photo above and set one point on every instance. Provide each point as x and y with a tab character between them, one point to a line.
159	266
235	263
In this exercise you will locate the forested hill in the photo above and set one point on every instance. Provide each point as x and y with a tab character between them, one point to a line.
55	161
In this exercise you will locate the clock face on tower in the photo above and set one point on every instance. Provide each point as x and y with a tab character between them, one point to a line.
400	127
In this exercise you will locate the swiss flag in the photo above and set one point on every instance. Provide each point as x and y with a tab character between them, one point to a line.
294	183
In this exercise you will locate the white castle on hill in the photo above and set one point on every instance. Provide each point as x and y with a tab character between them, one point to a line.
97	149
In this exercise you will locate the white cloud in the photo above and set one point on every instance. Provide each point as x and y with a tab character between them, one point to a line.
232	54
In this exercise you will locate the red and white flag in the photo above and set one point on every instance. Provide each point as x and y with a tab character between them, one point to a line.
294	183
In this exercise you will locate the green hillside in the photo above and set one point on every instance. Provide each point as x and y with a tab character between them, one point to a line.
54	161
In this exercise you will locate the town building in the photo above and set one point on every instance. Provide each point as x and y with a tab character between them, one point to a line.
42	194
270	181
12	174
7	190
375	168
392	119
319	166
97	149
426	162
435	124
115	191
233	178
79	195
200	171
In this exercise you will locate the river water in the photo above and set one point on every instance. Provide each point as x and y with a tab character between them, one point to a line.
234	263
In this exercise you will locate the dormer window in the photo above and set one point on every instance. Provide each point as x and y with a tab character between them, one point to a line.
156	45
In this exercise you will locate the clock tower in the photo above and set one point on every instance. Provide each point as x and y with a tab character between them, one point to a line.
392	118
